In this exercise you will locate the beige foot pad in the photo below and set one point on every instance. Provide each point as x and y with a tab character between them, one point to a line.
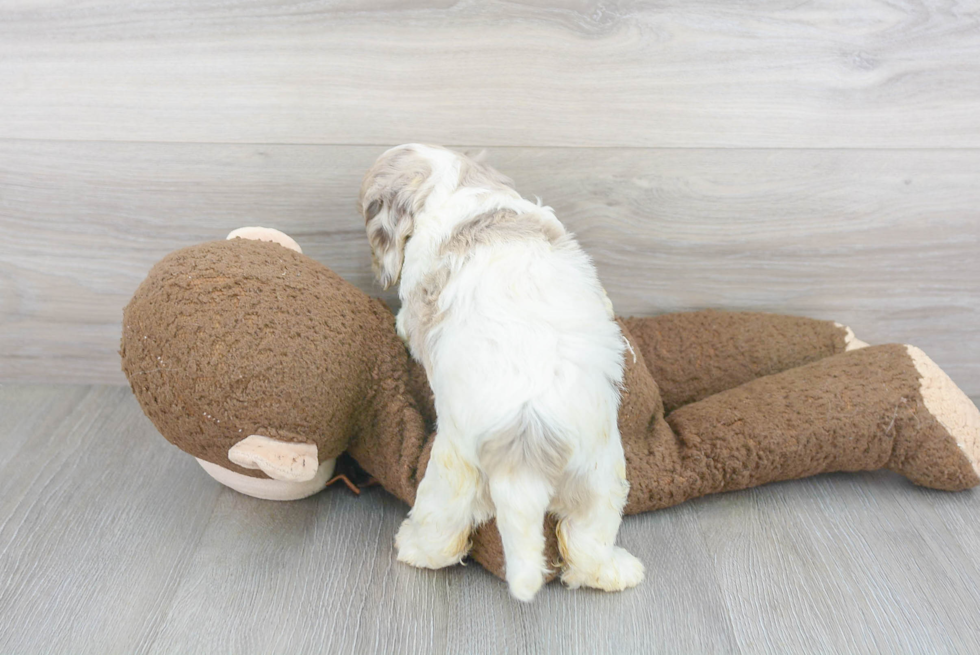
271	489
280	460
265	234
851	342
951	407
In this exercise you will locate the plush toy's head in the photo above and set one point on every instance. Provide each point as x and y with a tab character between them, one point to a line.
235	338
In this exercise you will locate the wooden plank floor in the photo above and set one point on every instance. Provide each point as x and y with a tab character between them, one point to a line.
698	73
817	158
883	241
113	541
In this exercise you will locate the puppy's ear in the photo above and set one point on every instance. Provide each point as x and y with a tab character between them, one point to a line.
389	225
393	191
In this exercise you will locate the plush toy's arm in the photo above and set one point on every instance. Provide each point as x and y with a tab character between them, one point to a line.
396	422
693	355
879	407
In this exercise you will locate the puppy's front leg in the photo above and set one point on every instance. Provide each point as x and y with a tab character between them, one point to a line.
400	326
437	530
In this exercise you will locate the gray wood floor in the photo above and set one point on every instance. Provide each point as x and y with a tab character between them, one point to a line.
113	541
816	158
694	73
885	242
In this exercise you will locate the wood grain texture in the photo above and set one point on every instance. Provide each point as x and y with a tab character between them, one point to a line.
98	517
884	241
111	540
676	73
870	567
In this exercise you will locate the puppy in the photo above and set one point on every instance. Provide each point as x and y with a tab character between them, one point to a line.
525	359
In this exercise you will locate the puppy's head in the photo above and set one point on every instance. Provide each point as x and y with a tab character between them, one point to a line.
395	191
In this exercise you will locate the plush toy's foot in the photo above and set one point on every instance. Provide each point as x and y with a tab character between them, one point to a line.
618	572
851	342
429	549
948	454
269	489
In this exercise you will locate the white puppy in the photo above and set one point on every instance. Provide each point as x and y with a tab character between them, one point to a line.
506	313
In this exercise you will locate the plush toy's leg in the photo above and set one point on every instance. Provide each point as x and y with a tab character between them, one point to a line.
882	406
924	457
590	503
447	505
851	342
693	355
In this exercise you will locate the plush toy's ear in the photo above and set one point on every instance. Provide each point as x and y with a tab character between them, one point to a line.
280	460
265	234
389	225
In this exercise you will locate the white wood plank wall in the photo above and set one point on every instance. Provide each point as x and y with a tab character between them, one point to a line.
818	158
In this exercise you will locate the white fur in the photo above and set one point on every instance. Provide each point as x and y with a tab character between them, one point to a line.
525	362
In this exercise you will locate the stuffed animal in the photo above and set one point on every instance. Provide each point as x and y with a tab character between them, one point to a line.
265	365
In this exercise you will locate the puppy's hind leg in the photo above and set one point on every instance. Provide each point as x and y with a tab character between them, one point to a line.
521	499
447	506
590	504
522	464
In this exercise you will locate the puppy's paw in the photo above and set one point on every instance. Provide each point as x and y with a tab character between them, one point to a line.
427	549
617	572
524	582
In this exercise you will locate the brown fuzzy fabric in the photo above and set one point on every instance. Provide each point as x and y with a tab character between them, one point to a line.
857	411
693	355
233	338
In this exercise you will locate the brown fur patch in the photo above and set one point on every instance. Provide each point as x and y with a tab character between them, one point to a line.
379	238
422	303
476	175
422	310
500	226
393	191
372	210
395	181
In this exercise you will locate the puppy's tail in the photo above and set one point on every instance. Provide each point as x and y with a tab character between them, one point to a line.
526	444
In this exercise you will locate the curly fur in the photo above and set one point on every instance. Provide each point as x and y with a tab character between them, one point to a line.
506	313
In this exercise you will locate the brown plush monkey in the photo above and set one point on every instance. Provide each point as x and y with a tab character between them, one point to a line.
266	365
